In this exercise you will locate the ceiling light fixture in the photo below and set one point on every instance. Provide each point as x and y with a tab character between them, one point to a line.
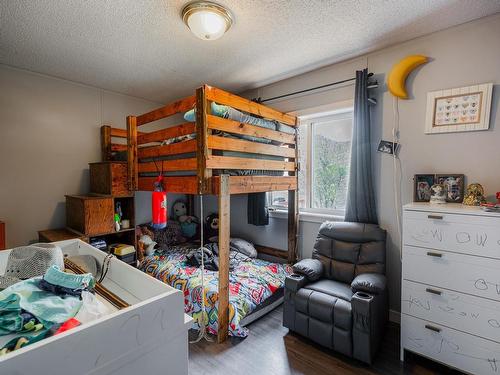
207	20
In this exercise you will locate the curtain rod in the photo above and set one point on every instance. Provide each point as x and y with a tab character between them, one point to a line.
260	100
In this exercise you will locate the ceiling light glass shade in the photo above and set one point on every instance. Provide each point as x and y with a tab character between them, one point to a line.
207	20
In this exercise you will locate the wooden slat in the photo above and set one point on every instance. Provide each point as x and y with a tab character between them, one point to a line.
173	149
230	144
224	225
169	165
182	184
170	109
105	142
293	218
201	137
224	97
132	152
271	251
235	127
228	162
118	147
256	184
167	133
119	133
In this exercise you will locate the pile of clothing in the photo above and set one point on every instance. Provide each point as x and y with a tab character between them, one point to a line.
38	299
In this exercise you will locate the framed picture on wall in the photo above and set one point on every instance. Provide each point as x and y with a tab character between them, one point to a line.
422	187
459	110
454	186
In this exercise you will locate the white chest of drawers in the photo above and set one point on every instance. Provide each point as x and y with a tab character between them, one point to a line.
450	299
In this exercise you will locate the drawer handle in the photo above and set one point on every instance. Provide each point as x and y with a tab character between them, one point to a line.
433	254
433	291
435	217
432	328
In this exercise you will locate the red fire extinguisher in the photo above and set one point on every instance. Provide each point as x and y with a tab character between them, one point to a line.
159	208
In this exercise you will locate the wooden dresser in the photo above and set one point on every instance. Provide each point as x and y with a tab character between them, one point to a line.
450	299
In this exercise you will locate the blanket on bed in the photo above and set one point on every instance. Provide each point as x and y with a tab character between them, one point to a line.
250	283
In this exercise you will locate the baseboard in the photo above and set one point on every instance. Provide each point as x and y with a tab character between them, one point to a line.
395	316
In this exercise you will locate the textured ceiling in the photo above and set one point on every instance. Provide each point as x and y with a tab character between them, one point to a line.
142	48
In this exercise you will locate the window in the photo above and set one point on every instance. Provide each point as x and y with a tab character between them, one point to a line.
324	156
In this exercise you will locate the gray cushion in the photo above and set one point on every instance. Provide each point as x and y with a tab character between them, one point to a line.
372	283
347	250
332	288
311	268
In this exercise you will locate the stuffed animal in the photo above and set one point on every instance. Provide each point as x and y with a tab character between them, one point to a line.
189	224
141	247
211	226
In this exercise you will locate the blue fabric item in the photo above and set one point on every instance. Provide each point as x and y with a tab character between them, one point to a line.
360	205
47	307
217	110
19	342
55	276
59	290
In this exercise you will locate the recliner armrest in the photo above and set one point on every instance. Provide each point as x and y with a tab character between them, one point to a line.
372	283
310	268
294	282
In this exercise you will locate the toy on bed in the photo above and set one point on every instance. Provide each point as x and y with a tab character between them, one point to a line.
145	243
189	224
211	226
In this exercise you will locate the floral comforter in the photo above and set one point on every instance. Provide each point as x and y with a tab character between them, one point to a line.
250	283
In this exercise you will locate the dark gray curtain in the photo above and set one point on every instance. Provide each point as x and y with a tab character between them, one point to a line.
360	206
257	211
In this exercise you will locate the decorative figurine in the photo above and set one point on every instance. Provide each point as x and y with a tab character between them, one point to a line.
474	195
438	194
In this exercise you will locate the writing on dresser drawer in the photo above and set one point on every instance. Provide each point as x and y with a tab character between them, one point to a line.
457	349
467	239
470	314
463	273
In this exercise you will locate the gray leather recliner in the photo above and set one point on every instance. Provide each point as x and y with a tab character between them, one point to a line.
339	298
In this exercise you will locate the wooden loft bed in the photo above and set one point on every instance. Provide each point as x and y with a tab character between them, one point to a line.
203	161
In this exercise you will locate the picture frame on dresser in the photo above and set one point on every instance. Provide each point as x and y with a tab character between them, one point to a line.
454	186
422	184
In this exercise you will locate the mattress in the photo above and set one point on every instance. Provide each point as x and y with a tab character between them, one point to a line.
251	284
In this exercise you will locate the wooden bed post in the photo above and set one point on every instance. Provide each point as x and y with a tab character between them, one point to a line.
202	151
293	207
105	142
224	225
132	152
292	225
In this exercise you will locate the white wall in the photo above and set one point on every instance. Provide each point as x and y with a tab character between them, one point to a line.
49	132
460	56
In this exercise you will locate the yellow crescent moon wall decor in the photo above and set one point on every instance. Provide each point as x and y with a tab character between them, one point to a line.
397	76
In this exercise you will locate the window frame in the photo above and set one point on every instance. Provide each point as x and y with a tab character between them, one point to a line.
308	121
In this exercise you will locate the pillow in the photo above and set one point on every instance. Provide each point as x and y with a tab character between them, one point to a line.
217	110
240	245
243	247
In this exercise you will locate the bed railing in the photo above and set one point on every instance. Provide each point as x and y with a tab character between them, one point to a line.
203	161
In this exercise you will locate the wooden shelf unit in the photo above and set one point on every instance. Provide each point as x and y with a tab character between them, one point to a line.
200	168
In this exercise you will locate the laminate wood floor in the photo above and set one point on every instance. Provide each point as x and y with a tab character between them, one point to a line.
271	349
